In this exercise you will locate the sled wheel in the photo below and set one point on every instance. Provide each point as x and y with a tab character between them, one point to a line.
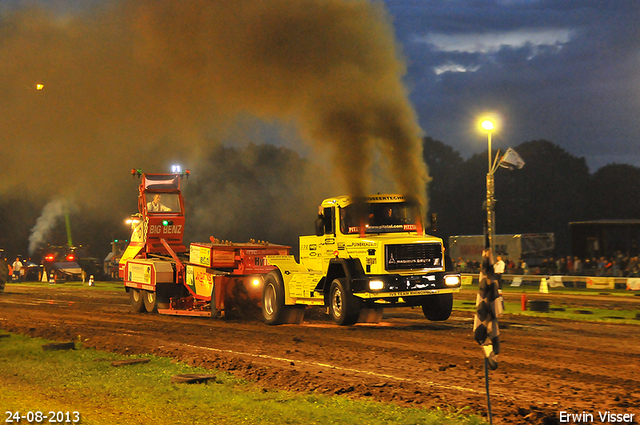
150	301
137	303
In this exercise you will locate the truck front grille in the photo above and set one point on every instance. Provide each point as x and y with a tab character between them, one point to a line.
413	256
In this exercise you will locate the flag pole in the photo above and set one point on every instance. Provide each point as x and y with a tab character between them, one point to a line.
496	163
486	384
485	321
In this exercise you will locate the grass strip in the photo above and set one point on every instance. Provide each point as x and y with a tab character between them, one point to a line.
84	381
533	289
570	312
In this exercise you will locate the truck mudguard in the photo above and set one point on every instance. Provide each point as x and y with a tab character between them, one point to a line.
349	268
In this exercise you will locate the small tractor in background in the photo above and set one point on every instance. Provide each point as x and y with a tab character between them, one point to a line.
60	263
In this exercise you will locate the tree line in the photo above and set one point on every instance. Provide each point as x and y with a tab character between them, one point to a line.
551	190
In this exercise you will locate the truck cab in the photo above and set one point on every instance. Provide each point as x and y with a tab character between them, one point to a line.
161	206
348	228
159	221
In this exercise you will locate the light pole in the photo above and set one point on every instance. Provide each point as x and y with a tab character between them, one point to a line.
488	126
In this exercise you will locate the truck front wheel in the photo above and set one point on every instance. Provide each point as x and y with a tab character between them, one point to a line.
437	307
273	308
344	308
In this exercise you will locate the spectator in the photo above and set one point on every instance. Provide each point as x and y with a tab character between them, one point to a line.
476	265
559	265
524	267
602	267
632	266
462	265
615	269
553	264
498	269
577	266
624	266
562	266
594	266
17	270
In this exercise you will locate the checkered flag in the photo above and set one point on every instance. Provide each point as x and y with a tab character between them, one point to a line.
488	309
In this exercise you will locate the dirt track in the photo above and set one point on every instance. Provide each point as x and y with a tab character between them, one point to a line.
546	366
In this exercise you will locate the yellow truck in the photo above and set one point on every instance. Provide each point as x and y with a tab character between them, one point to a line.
367	254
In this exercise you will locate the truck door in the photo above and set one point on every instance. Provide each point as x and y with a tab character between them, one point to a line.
329	247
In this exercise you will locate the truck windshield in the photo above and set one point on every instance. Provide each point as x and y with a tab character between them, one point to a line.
381	218
162	202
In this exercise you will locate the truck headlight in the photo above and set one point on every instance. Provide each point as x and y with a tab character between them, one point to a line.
376	285
452	280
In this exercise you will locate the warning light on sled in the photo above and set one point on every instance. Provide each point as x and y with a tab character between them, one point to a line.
133	222
39	86
167	222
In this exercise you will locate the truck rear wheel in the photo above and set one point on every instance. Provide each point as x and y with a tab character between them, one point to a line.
437	307
273	308
150	301
137	303
344	308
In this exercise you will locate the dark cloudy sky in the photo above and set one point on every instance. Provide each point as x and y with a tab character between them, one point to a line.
566	71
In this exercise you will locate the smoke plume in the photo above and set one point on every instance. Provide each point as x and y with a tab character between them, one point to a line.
51	215
269	194
120	80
